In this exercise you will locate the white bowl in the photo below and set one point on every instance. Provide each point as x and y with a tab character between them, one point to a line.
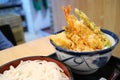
87	62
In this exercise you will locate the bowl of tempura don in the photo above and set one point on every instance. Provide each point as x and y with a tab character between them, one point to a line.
82	45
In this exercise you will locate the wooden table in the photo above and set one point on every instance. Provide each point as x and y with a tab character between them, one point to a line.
39	47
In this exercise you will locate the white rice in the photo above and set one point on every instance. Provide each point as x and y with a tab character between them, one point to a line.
34	70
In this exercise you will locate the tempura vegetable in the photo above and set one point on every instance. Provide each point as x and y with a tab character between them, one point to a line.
87	21
92	26
80	34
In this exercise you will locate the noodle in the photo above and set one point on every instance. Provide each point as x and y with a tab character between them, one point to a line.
34	70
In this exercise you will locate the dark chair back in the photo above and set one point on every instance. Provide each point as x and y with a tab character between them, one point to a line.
6	30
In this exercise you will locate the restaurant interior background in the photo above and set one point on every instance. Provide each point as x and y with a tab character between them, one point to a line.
39	18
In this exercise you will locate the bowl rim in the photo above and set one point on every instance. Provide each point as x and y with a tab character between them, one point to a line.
43	58
110	33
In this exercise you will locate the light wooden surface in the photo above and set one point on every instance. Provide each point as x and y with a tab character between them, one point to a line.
40	47
105	13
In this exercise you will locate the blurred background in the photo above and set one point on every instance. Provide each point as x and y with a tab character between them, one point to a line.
32	19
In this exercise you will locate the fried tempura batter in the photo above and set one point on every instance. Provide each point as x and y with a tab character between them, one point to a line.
80	35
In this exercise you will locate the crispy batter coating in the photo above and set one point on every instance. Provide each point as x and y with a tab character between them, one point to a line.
78	36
